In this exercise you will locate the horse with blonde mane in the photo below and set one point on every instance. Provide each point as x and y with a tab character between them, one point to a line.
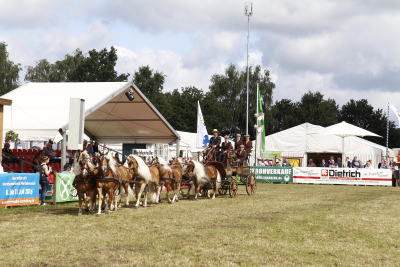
171	176
84	182
112	177
203	175
145	178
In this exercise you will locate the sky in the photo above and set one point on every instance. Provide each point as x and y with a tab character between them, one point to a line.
344	49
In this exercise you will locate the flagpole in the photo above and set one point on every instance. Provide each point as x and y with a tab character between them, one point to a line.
387	136
257	141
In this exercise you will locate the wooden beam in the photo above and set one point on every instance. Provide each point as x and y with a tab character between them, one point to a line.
5	102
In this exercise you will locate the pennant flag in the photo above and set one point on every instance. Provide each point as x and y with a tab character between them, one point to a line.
57	138
261	122
202	135
395	110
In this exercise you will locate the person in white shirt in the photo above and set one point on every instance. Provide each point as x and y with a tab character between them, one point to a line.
368	166
260	162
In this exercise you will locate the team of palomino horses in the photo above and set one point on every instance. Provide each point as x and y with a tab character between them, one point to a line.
101	175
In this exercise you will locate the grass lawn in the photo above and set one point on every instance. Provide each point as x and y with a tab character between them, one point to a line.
283	224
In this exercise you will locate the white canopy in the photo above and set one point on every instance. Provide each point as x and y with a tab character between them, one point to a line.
345	129
299	140
39	110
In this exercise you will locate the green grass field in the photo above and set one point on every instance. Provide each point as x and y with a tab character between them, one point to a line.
283	224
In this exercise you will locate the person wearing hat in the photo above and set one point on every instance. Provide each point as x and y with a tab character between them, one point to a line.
238	142
241	155
226	147
215	142
248	145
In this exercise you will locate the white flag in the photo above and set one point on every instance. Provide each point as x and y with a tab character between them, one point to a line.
395	111
202	135
57	138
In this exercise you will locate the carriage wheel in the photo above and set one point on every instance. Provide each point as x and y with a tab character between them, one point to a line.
233	189
251	184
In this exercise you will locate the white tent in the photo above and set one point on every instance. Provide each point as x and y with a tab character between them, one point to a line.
300	140
39	110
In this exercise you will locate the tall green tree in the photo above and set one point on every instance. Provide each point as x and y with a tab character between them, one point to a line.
230	91
98	66
150	83
363	114
9	71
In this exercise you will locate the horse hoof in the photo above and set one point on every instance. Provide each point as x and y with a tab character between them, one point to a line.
80	213
195	199
109	212
136	207
90	212
142	196
98	214
171	202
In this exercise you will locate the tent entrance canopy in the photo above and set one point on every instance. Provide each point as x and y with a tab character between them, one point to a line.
41	109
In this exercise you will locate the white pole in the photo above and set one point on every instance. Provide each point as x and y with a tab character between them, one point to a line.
248	11
387	136
343	155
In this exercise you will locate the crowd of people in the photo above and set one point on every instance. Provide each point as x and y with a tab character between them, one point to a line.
273	162
355	163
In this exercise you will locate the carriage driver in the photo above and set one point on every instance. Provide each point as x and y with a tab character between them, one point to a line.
238	142
215	142
241	155
226	148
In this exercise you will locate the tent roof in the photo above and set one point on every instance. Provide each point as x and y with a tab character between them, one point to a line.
345	129
301	139
40	109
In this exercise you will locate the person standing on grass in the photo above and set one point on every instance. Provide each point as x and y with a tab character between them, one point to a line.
44	178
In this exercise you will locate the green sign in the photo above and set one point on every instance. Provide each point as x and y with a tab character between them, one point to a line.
273	174
271	154
64	189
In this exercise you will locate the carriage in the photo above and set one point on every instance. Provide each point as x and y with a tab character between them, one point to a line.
231	176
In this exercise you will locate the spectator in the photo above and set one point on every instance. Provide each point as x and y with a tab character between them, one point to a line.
276	160
368	166
89	148
360	164
68	168
323	164
96	147
44	177
37	159
286	163
277	164
331	159
384	165
260	162
339	163
268	162
49	152
1	166
355	163
84	145
311	163
380	163
7	154
333	164
347	163
117	158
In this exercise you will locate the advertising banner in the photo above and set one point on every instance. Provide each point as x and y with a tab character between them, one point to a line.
19	189
65	191
273	174
310	175
271	154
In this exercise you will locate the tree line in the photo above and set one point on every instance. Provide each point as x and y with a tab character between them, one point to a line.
223	104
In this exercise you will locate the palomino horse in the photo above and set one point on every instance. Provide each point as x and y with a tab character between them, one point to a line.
203	175
171	176
84	182
143	176
112	176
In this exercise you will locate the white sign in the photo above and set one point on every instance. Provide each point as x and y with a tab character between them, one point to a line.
143	152
315	175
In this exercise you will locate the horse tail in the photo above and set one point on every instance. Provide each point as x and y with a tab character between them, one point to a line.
131	195
218	177
152	192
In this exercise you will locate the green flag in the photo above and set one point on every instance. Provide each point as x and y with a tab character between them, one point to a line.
261	122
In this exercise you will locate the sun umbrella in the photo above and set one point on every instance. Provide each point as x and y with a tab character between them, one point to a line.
345	129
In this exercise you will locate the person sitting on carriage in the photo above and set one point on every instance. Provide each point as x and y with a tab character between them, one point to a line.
241	155
215	142
248	145
238	142
226	148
